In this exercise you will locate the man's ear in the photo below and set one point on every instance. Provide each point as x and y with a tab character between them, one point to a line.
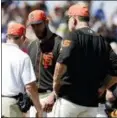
23	38
47	21
75	22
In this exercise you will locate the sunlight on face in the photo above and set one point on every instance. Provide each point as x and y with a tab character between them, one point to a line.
71	24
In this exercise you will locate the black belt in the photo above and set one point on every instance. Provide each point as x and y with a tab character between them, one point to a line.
43	91
15	97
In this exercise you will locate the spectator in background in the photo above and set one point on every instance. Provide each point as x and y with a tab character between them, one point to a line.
5	4
25	8
114	25
3	38
40	5
20	10
58	22
56	16
103	30
100	13
62	28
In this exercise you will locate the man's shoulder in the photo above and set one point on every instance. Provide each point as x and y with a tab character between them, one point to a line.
23	55
32	44
70	35
4	44
58	38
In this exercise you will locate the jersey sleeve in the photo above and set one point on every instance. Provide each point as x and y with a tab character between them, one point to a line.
67	46
113	63
28	74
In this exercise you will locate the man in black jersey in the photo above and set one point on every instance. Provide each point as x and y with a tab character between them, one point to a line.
85	60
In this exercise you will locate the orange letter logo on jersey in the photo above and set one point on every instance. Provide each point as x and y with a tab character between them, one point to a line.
66	43
47	59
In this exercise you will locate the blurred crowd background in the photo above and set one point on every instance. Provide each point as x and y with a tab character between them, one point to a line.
103	15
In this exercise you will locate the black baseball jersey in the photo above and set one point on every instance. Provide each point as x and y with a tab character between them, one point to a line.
89	59
43	56
49	52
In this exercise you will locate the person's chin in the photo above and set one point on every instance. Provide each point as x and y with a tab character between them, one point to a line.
40	37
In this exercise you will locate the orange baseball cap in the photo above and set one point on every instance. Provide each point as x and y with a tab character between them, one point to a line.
36	17
78	10
16	29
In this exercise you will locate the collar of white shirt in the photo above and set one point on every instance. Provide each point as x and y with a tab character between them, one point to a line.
12	44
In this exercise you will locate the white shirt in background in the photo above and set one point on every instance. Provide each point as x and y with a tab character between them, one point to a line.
17	70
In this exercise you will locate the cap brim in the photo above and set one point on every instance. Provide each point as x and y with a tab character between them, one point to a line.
33	23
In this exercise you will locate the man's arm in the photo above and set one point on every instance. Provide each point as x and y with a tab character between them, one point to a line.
32	91
28	78
59	72
60	69
67	46
111	78
109	81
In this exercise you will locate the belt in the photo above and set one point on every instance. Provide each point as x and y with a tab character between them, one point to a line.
43	91
15	97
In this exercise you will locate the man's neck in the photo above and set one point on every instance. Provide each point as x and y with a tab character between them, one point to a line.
47	37
82	25
11	41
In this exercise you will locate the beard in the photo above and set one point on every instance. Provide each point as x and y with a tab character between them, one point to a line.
42	34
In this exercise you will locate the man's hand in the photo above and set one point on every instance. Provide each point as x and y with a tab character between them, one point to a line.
32	91
114	114
47	104
109	96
